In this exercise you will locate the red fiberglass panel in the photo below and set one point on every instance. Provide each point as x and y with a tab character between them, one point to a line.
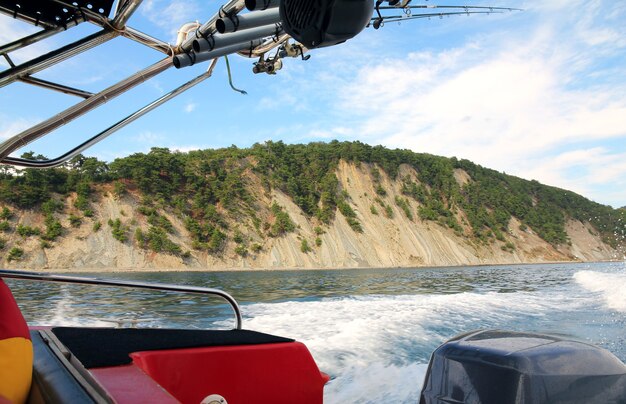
267	373
128	384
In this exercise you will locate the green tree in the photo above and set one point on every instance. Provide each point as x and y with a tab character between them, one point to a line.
5	213
241	250
54	228
27	231
119	231
282	222
15	254
304	246
75	221
119	189
5	226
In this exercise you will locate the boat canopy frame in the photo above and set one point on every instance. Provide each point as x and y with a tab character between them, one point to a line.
252	35
56	16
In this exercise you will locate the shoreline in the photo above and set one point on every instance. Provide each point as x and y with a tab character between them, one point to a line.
253	269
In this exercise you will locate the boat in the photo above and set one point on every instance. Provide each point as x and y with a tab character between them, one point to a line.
132	365
57	364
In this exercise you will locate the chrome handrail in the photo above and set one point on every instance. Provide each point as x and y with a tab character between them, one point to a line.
39	276
54	162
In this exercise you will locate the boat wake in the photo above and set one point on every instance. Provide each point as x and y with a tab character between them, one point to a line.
377	383
376	347
611	286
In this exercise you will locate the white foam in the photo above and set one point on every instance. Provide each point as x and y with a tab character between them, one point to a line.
611	286
377	346
376	383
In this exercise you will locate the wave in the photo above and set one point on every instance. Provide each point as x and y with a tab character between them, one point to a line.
71	309
374	346
377	383
611	286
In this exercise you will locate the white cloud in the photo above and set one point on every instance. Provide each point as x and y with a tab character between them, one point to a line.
510	102
338	132
150	138
190	107
170	15
593	172
12	126
188	148
11	30
280	101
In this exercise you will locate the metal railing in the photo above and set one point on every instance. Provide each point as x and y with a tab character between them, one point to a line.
39	276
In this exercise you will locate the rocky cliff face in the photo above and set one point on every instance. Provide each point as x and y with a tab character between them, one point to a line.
389	237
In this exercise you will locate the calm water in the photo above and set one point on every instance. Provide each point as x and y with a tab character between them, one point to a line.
371	330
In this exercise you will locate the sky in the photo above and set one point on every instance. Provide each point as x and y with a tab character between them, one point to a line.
540	94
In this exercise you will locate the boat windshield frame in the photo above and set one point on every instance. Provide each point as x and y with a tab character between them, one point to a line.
46	277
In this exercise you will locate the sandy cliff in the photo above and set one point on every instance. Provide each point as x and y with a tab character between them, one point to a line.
395	241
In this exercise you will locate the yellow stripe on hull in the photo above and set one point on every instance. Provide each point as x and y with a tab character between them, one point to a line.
16	368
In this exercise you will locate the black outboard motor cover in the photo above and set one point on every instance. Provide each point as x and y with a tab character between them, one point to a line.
318	23
508	367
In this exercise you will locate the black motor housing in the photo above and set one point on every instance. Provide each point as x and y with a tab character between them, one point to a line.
508	367
318	23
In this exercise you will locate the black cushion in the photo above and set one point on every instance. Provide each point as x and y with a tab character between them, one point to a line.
101	347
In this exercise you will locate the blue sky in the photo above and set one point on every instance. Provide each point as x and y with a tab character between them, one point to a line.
540	94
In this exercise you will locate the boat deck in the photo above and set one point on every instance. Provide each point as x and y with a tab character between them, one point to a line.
128	365
102	347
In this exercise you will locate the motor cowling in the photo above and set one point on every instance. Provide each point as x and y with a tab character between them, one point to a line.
493	367
319	23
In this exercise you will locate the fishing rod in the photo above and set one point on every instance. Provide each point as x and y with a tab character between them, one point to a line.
420	6
266	30
377	23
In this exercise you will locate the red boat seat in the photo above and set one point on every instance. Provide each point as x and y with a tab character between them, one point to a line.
16	350
104	347
266	373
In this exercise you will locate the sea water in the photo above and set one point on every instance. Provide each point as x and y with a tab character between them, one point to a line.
371	330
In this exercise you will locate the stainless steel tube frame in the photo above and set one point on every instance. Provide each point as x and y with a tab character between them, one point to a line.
37	131
33	66
247	21
30	39
147	40
110	130
124	13
231	8
254	5
38	276
218	41
264	47
126	32
55	86
184	59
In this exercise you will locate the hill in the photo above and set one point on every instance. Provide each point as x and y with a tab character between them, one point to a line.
321	205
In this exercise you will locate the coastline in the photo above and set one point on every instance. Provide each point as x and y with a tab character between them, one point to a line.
285	269
396	240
